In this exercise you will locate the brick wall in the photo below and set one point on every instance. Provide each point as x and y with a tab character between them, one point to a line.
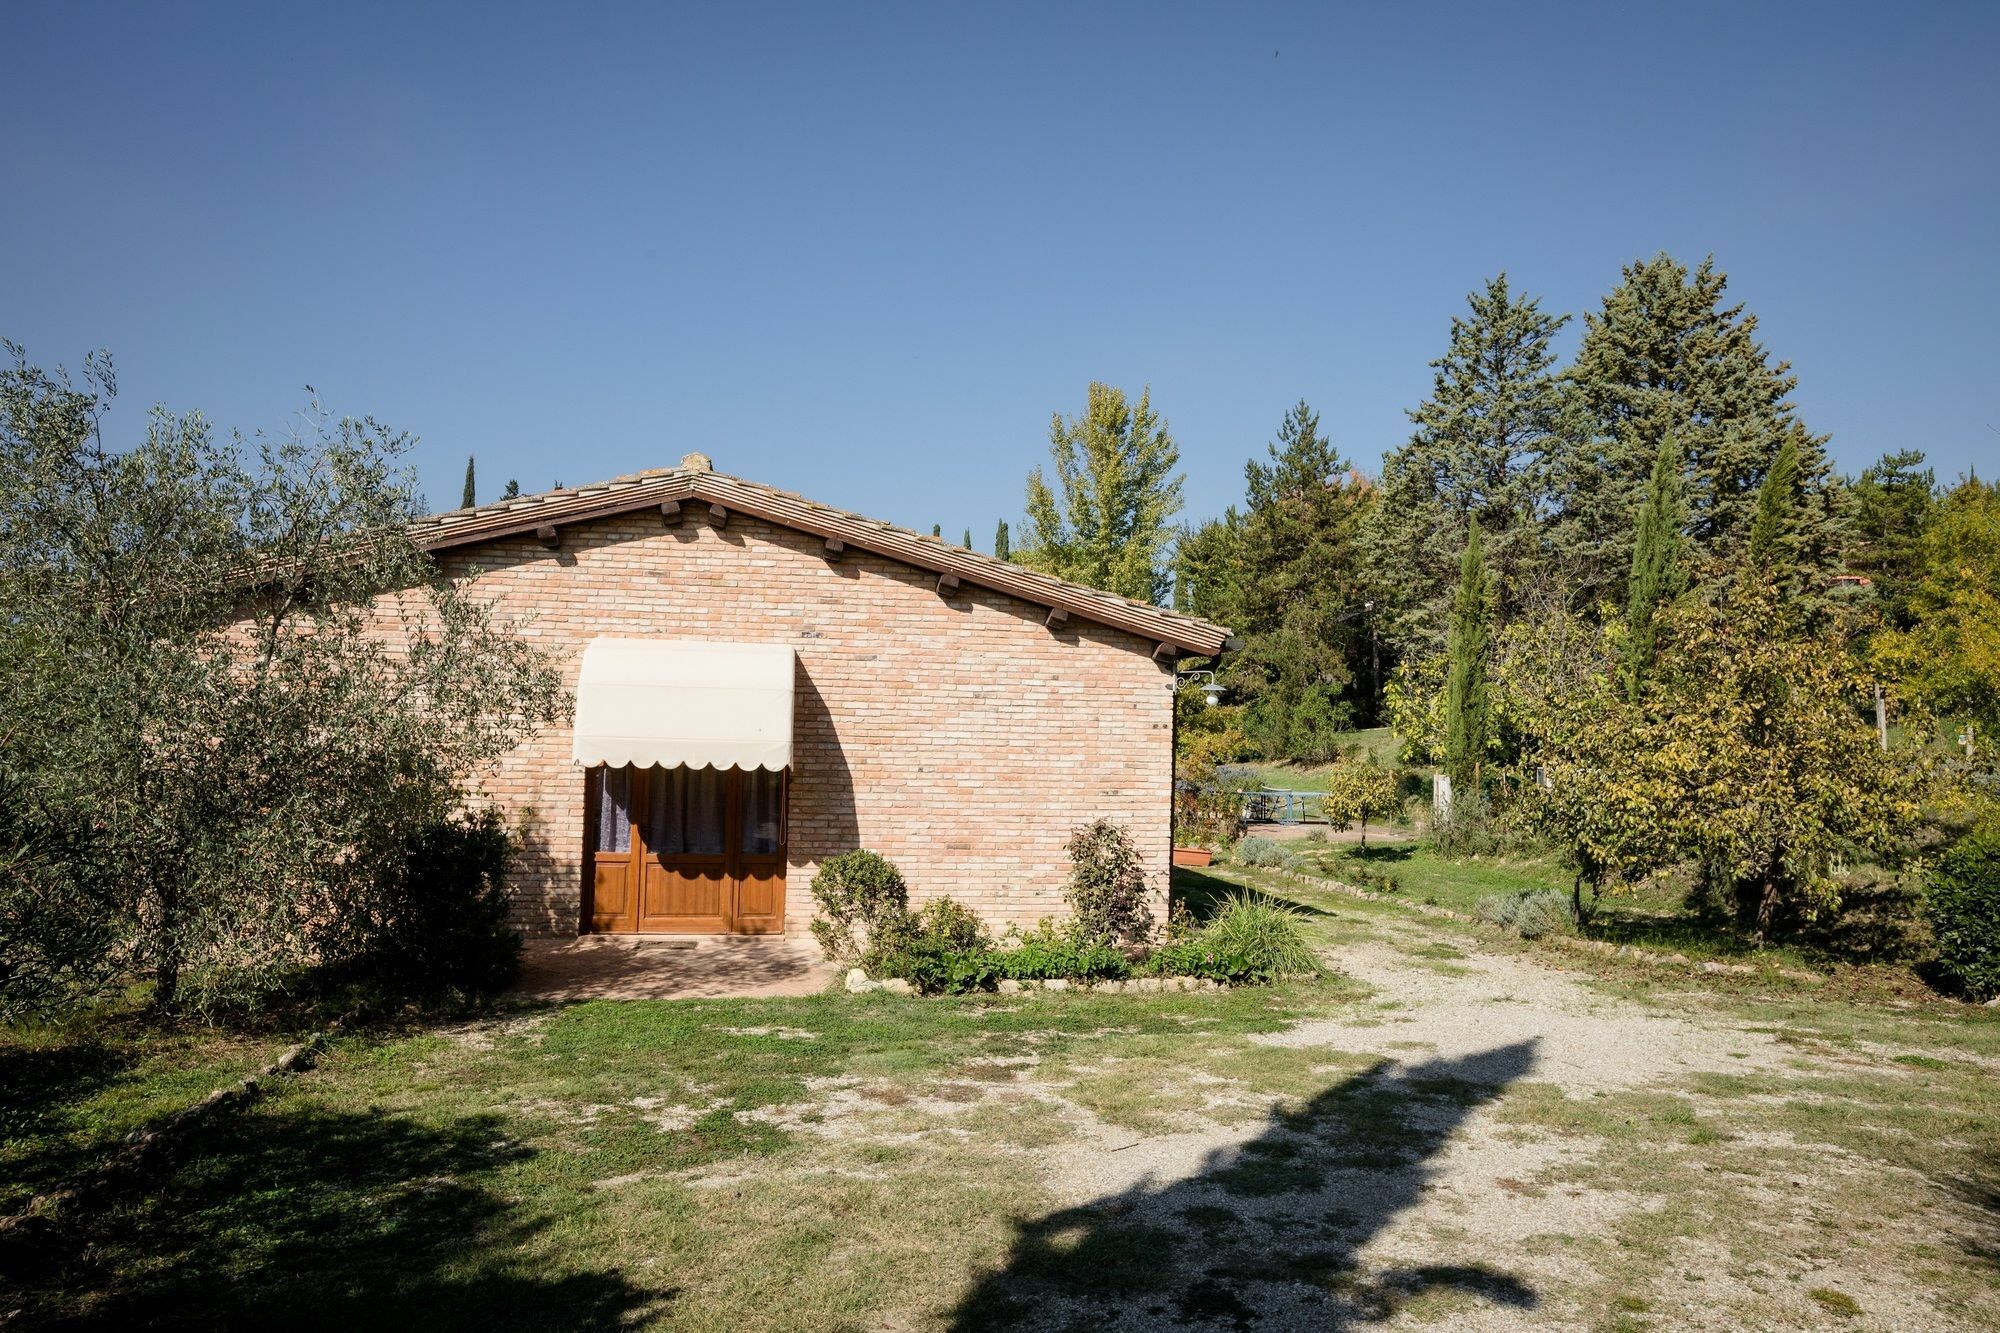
955	735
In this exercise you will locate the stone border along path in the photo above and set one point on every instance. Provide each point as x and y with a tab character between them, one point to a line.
1574	943
150	1144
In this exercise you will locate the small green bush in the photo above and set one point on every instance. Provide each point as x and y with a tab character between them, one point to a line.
1469	830
1265	852
1048	952
856	889
1963	909
434	922
1250	938
1534	913
943	949
1107	885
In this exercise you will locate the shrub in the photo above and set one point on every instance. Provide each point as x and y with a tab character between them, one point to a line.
1251	938
1964	913
1047	952
434	921
942	949
1535	913
1265	852
1107	885
856	889
1469	829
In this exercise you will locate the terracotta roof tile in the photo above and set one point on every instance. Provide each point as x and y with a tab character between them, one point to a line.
505	518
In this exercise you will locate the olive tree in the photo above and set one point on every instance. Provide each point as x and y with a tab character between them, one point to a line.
232	687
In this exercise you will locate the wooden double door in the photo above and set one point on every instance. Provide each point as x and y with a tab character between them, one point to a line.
690	851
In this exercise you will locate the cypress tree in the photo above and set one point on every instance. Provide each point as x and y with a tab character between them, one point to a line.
1467	704
1659	573
471	496
967	543
1774	537
1002	549
937	531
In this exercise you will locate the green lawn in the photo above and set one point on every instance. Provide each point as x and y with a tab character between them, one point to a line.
860	1162
1652	915
1375	744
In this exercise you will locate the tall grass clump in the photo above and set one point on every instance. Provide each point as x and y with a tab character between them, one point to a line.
1250	938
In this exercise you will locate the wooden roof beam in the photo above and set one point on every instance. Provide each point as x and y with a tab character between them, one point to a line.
670	512
947	584
718	516
548	536
1055	619
835	549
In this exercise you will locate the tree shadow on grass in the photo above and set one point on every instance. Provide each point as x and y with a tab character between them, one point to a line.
40	1089
303	1218
1268	1233
1204	893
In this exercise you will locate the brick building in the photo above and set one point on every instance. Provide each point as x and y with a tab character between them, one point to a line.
764	682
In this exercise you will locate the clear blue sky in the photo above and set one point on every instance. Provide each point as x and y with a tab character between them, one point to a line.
863	252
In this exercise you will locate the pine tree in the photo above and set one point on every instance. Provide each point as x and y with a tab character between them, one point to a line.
1894	498
1294	591
1659	570
1002	548
471	495
1481	453
1665	356
513	491
1467	704
1109	527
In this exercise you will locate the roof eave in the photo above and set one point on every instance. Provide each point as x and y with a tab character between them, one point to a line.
1172	631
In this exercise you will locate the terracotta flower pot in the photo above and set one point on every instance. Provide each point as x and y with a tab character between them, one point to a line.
1193	856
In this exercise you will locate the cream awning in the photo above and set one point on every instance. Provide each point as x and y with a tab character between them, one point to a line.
671	702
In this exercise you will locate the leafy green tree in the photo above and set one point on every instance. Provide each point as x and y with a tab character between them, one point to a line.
1468	705
1481	453
471	496
210	744
1295	593
1893	501
513	491
1208	561
1106	522
1357	792
1746	756
1947	662
1664	358
1003	548
1659	570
